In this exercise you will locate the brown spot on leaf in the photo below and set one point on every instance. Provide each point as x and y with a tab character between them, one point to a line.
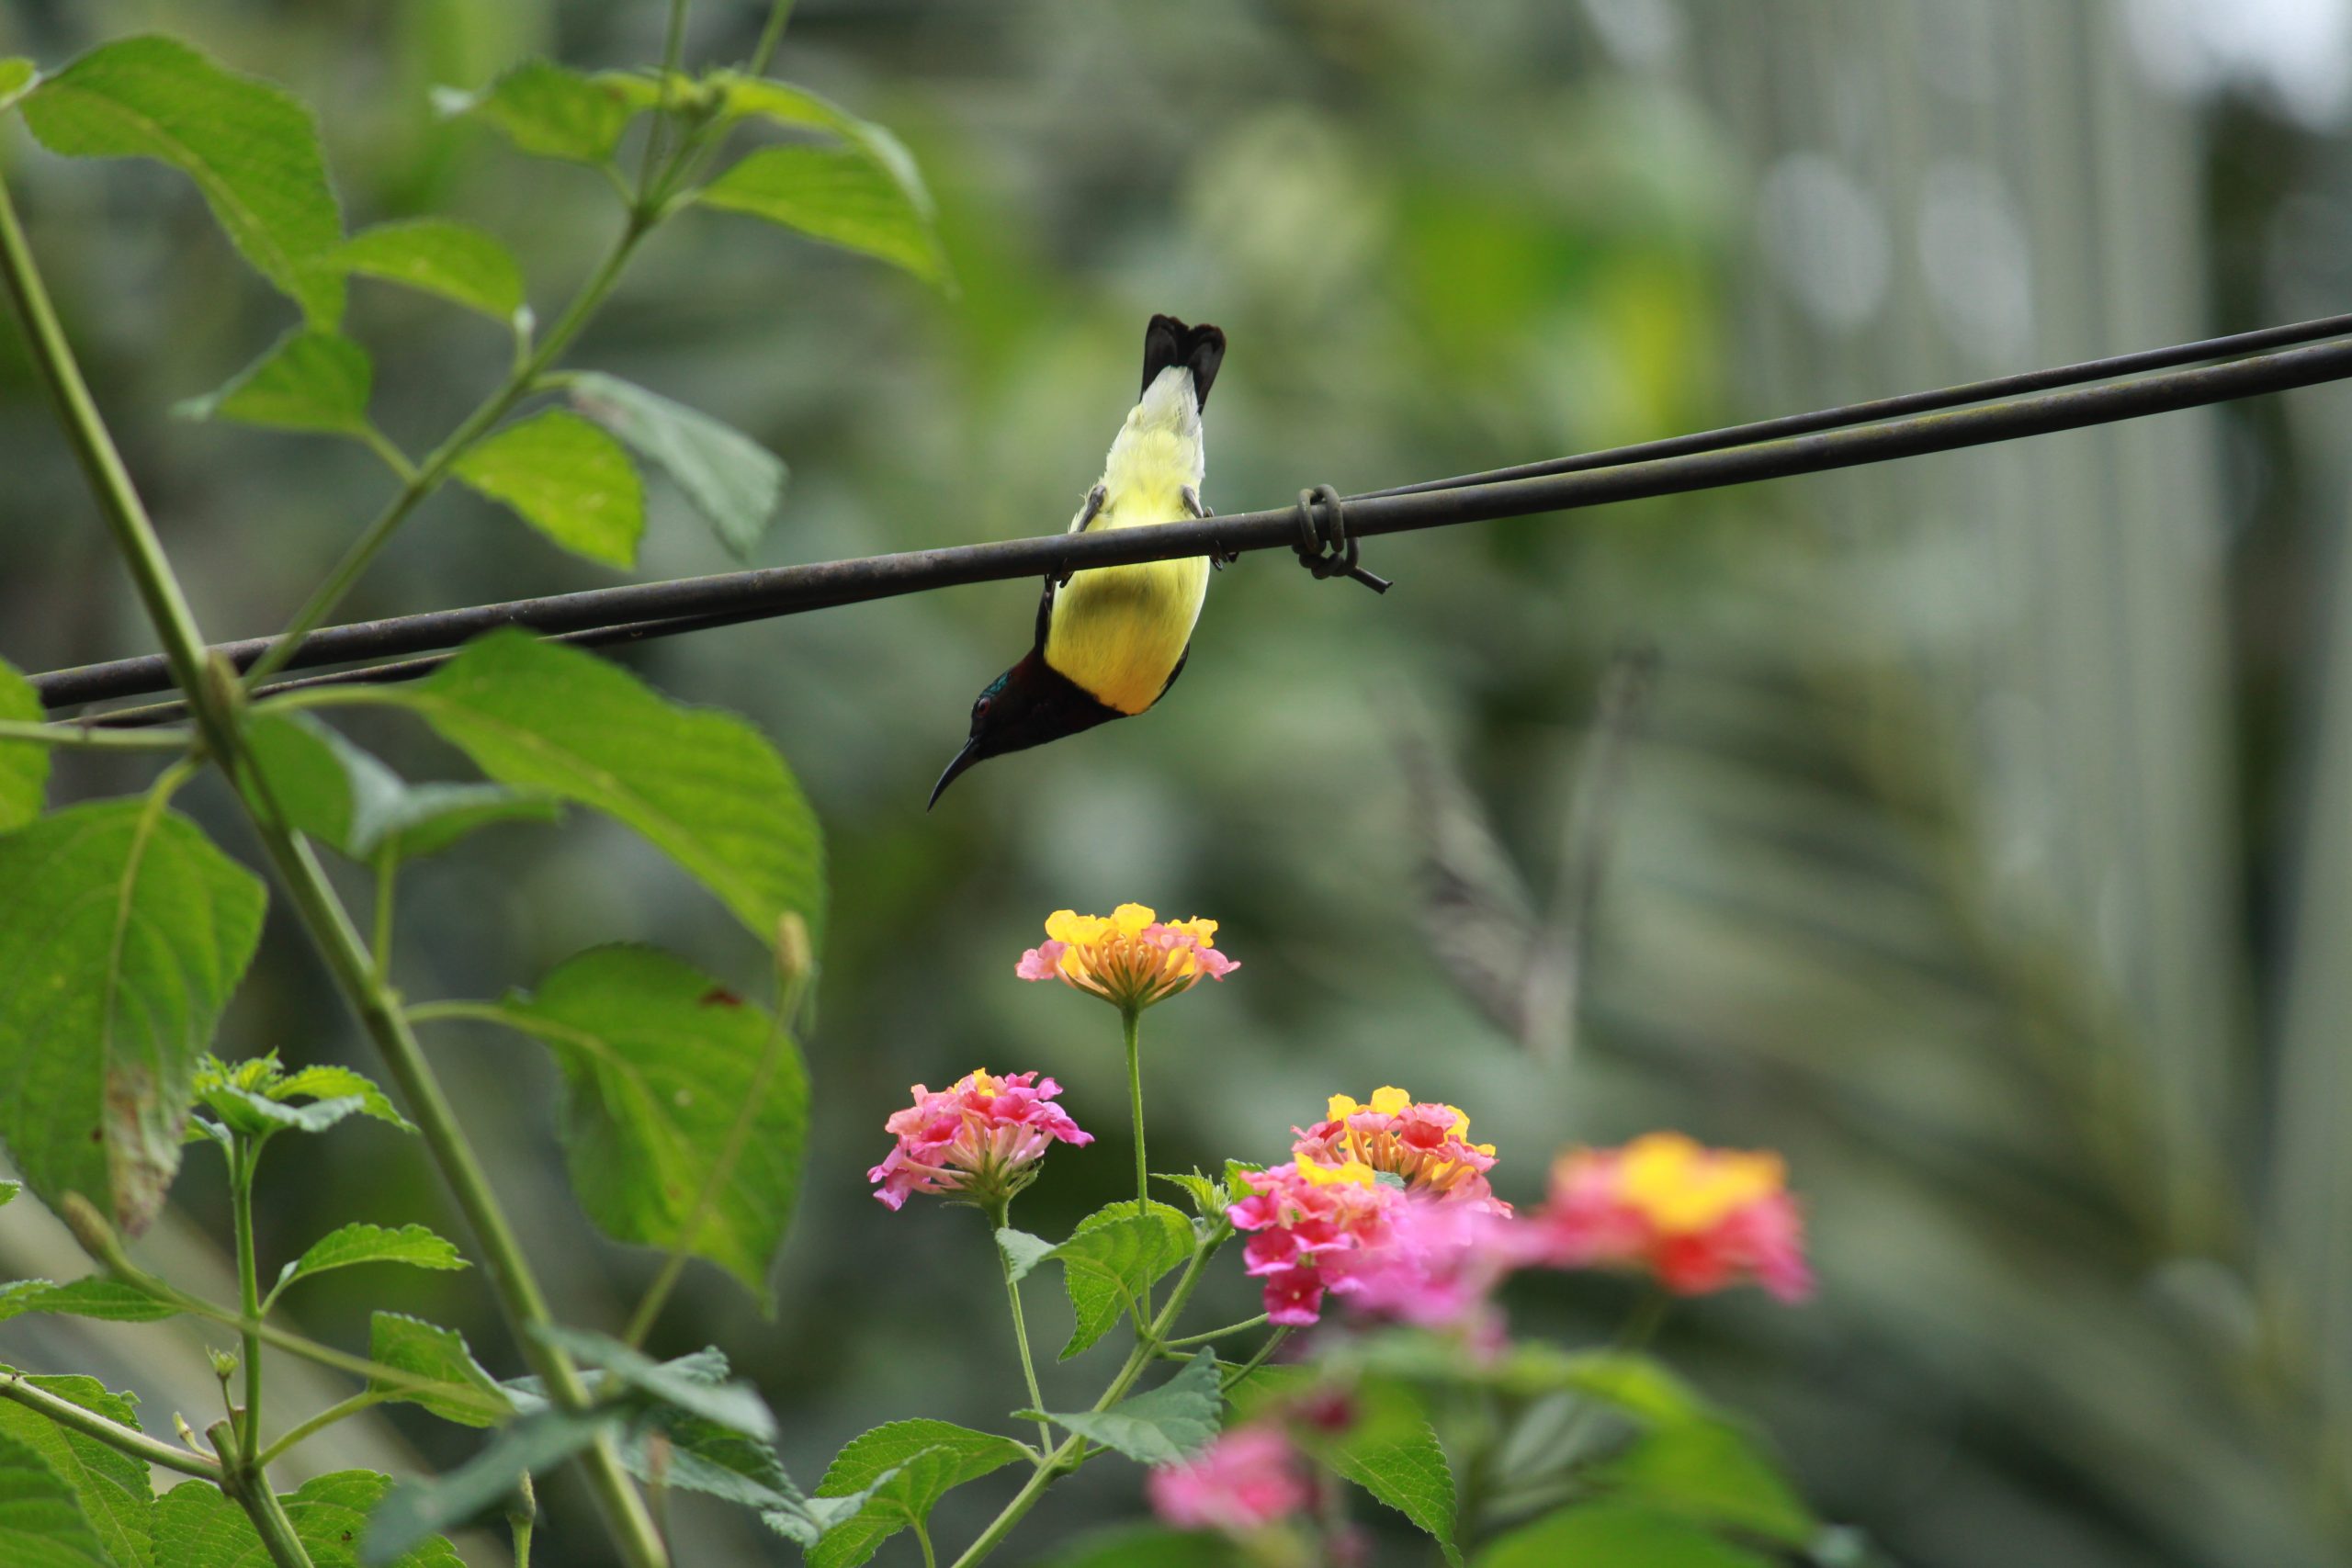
719	996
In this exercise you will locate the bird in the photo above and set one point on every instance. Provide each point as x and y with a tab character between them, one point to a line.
1111	640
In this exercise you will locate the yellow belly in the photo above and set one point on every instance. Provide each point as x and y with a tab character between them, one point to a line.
1118	631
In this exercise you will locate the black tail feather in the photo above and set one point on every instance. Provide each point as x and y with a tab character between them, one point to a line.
1200	350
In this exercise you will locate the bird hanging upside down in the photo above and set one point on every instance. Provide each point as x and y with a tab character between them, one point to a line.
1111	640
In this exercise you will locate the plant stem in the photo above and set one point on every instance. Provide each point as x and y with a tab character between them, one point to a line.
90	1423
252	1492
1130	1021
998	1218
672	49
79	735
379	945
1245	1325
427	476
366	1399
1240	1373
771	35
247	1487
244	1157
1138	1359
313	899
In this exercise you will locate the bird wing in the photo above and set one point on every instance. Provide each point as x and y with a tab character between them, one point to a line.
1045	610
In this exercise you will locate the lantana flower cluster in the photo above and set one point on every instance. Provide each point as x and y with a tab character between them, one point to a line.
1132	960
980	1138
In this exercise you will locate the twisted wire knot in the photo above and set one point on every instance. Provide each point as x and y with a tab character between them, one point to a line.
1324	545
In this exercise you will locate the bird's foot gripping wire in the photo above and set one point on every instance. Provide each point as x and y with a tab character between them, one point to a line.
1324	545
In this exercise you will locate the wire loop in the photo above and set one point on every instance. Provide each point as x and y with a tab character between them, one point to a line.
1324	545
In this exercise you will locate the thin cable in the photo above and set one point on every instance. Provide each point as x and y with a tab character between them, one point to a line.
1804	444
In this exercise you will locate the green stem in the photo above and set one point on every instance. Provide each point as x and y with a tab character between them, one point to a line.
922	1538
1066	1454
313	899
90	1423
427	476
998	1218
268	1515
1130	1020
673	43
79	735
366	1399
1239	1374
379	945
764	55
246	1157
109	481
1244	1325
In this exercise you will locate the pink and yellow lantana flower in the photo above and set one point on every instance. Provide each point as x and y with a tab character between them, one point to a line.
980	1139
1699	1219
1131	960
1426	1143
1311	1225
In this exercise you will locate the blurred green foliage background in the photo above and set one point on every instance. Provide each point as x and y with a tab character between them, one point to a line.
1981	842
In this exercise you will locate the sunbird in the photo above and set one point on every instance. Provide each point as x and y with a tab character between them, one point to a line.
1111	639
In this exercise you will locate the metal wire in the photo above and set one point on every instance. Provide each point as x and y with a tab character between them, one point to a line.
1857	434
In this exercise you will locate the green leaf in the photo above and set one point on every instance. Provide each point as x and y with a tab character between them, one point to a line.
8	1190
111	1487
1112	1259
437	255
24	765
1210	1196
1168	1424
342	796
1391	1452
1710	1472
1636	1386
17	76
735	1406
123	935
257	1115
41	1523
331	1082
1619	1535
412	1245
252	150
730	479
411	1345
417	1510
705	788
329	1513
1021	1251
847	195
430	818
703	1456
198	1527
255	1098
548	111
309	380
1146	1546
90	1296
1388	1447
567	479
658	1061
901	1470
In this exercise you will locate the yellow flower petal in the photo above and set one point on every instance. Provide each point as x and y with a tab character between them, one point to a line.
1342	1106
1352	1171
1390	1100
1131	919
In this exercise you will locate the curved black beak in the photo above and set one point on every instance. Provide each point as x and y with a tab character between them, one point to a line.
964	759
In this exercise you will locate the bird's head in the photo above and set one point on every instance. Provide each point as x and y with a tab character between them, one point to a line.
1027	706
